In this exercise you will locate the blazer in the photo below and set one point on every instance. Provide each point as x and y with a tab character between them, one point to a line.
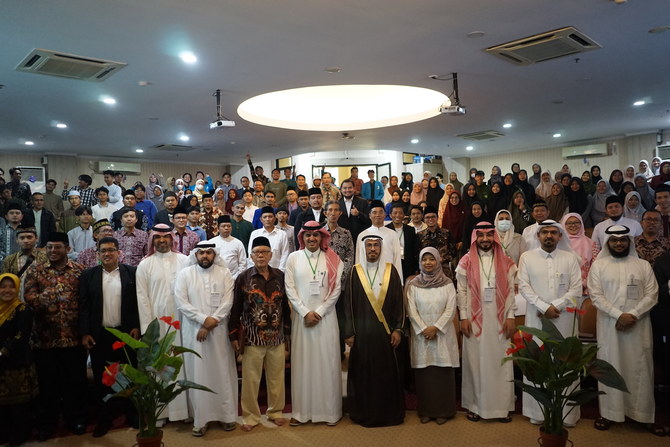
410	261
304	217
47	224
355	224
90	304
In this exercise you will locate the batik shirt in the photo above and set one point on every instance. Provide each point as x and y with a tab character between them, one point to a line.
208	222
342	244
132	245
53	294
260	309
651	250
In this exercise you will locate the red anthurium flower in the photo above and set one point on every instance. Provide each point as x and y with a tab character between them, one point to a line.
109	374
573	310
519	341
118	345
174	323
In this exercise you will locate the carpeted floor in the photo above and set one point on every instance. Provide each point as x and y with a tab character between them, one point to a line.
458	431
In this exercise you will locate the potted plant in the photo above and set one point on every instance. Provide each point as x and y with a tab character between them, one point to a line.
556	372
152	384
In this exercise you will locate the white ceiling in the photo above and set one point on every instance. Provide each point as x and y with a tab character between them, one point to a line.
247	48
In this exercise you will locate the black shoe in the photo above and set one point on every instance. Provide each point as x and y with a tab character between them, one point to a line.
78	428
101	428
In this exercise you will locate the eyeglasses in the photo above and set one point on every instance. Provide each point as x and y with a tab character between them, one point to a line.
261	252
108	250
651	219
573	224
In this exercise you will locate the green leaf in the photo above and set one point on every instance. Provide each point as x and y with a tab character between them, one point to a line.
550	328
180	350
583	396
606	374
569	350
541	396
542	335
127	339
135	375
562	382
187	384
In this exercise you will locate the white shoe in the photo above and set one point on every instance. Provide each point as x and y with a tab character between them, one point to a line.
160	423
536	421
199	431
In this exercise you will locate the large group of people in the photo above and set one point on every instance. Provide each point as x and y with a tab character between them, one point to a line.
398	272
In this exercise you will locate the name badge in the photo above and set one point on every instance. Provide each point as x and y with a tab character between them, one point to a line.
562	289
314	287
489	294
215	299
632	292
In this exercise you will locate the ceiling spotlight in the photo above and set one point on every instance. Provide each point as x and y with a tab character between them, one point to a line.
639	103
188	57
507	125
139	151
469	148
29	143
61	125
659	29
108	100
557	135
184	137
414	141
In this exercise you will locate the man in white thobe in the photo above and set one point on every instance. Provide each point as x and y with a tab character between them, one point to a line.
550	280
624	289
485	277
313	284
614	210
231	250
540	213
204	296
155	278
392	251
277	238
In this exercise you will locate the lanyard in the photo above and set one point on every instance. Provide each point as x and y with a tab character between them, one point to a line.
488	276
374	277
310	263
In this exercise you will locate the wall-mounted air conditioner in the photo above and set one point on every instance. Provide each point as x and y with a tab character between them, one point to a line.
663	151
126	168
590	150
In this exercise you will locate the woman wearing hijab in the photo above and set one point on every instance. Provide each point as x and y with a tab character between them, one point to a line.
616	180
581	244
647	195
578	201
157	197
535	179
454	216
663	175
644	169
154	180
417	196
524	185
520	212
595	174
589	186
18	377
544	189
434	193
557	203
406	202
448	189
603	191
232	198
388	192
511	241
407	181
656	165
516	168
469	197
498	200
496	175
431	306
477	214
395	200
626	187
509	186
629	173
632	206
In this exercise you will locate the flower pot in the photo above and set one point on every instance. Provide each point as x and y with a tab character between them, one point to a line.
152	441
549	440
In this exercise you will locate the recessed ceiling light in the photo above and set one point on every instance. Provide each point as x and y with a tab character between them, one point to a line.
639	103
188	57
332	70
139	151
343	107
557	135
507	125
475	34
469	148
414	141
108	100
61	125
143	83
184	137
659	29
29	143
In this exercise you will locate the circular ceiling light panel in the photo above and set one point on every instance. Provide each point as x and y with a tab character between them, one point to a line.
343	107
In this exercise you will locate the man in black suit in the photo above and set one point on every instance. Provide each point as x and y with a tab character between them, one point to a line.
108	299
354	210
314	212
40	218
409	242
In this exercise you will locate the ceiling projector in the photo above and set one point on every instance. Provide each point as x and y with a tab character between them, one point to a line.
221	123
452	110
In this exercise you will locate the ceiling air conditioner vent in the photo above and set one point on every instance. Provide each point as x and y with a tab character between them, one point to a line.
53	63
663	151
173	147
545	46
481	135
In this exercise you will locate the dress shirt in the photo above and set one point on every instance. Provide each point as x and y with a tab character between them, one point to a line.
111	298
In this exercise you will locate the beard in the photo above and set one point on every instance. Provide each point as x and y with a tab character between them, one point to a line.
621	254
